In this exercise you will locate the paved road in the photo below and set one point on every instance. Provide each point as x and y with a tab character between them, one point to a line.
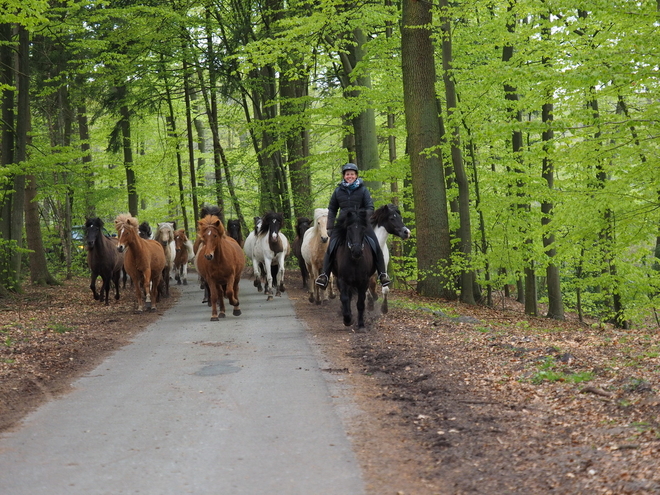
234	407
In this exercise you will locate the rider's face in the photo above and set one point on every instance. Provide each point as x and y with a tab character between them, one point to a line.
350	176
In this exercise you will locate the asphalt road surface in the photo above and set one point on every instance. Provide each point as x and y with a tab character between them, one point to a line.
239	406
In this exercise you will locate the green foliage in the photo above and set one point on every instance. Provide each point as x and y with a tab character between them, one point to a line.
551	371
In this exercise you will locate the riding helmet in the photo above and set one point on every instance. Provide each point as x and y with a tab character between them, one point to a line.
349	166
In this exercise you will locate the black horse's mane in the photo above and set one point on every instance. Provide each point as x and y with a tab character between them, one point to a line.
348	218
268	220
209	210
381	214
93	221
300	223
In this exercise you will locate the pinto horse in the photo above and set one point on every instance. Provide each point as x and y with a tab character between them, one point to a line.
271	248
302	224
385	220
354	263
103	260
248	248
144	261
315	244
220	262
183	249
165	236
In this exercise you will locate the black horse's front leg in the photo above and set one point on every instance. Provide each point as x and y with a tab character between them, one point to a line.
360	304
345	296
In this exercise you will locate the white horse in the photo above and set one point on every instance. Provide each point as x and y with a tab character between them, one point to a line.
248	248
314	246
270	250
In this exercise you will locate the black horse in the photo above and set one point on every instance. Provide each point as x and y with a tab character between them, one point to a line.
354	263
103	259
144	230
302	224
235	232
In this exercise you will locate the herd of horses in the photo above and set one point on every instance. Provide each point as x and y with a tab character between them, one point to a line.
154	257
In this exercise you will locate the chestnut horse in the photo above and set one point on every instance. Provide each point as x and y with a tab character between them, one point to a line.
315	244
103	260
183	249
144	260
302	224
220	262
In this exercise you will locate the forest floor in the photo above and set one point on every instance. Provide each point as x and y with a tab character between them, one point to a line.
453	399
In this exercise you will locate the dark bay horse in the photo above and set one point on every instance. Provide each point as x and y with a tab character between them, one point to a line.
302	224
354	263
235	232
145	230
220	262
103	260
144	261
385	220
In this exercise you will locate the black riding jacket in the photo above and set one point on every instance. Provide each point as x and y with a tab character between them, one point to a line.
343	199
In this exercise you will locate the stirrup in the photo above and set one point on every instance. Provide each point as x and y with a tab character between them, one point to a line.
322	281
384	279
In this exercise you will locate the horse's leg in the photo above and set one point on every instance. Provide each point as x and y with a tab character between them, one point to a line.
345	295
116	277
269	279
148	287
361	296
213	300
280	275
237	309
92	286
383	307
138	286
256	268
332	292
221	299
184	273
105	288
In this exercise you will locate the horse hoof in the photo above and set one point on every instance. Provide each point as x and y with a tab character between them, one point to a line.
214	318
361	329
270	297
278	294
383	308
237	312
333	295
311	298
221	315
185	282
347	322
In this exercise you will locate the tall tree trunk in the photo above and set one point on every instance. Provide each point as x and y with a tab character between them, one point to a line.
191	140
39	273
8	275
528	294
420	103
125	123
83	134
468	276
555	301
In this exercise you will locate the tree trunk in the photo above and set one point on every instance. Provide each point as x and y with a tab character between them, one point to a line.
418	68
555	301
131	186
191	144
39	273
468	276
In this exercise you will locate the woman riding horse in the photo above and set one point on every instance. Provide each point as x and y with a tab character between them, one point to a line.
351	193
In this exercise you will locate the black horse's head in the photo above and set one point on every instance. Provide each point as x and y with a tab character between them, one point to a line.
272	224
209	210
93	229
352	228
389	217
302	224
144	230
234	230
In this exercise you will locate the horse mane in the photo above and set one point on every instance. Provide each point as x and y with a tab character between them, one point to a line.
349	218
207	210
381	214
320	212
180	232
268	219
211	221
145	228
124	220
93	221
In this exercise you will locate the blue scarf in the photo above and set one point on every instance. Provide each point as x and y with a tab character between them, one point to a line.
353	186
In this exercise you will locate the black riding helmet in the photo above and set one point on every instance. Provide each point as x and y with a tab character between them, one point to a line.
349	166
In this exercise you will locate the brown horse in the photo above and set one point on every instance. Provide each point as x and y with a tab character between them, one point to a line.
144	260
183	253
302	224
220	262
